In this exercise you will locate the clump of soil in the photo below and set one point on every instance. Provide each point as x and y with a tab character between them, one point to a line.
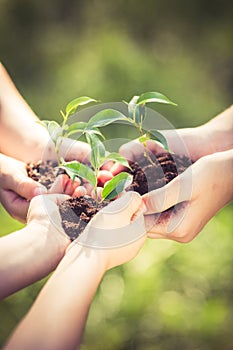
148	177
45	172
77	212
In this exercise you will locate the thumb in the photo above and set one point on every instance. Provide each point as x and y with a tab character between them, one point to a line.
24	186
118	213
176	191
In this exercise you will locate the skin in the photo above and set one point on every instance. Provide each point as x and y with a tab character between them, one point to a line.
76	278
33	252
201	190
29	143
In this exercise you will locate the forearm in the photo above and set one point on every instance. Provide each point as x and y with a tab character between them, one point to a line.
26	256
22	137
220	131
61	310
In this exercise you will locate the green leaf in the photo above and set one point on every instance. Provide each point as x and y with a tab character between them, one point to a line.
136	112
106	117
154	97
75	168
116	185
80	101
83	128
132	106
157	136
76	127
116	157
54	129
97	150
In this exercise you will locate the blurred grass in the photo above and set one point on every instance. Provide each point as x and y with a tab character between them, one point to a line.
171	296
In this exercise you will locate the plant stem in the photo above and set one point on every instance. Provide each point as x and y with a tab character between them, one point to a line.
146	153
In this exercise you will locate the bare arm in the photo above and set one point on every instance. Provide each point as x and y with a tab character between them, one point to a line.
33	252
22	137
58	316
214	136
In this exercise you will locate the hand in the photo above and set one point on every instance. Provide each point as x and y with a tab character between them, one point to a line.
202	190
76	278
16	188
43	215
108	223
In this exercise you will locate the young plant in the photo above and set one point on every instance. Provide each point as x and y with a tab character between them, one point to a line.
98	157
136	117
98	153
57	131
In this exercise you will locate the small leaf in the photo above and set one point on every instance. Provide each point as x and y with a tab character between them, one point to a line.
116	157
97	150
116	185
75	168
154	97
132	106
83	128
105	117
80	101
76	127
136	112
157	136
53	128
95	131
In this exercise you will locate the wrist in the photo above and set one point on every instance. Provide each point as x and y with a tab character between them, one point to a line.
93	259
48	240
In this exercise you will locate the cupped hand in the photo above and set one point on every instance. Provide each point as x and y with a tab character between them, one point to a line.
118	215
200	191
44	218
16	188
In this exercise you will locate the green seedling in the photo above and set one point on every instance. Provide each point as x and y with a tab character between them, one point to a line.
98	157
136	116
57	131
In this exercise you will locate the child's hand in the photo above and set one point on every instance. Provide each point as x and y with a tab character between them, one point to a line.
116	234
44	218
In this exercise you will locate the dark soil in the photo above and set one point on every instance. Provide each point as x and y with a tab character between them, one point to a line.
148	177
77	212
45	172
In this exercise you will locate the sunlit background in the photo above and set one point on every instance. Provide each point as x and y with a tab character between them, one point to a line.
172	296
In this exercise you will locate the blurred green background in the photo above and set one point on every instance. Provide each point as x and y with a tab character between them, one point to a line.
172	296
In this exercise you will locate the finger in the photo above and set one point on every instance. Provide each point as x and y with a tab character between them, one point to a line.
15	205
104	176
132	150
70	150
154	147
176	191
118	213
69	188
59	184
24	186
45	205
117	168
79	191
107	165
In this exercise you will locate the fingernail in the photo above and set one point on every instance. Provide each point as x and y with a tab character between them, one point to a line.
39	190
